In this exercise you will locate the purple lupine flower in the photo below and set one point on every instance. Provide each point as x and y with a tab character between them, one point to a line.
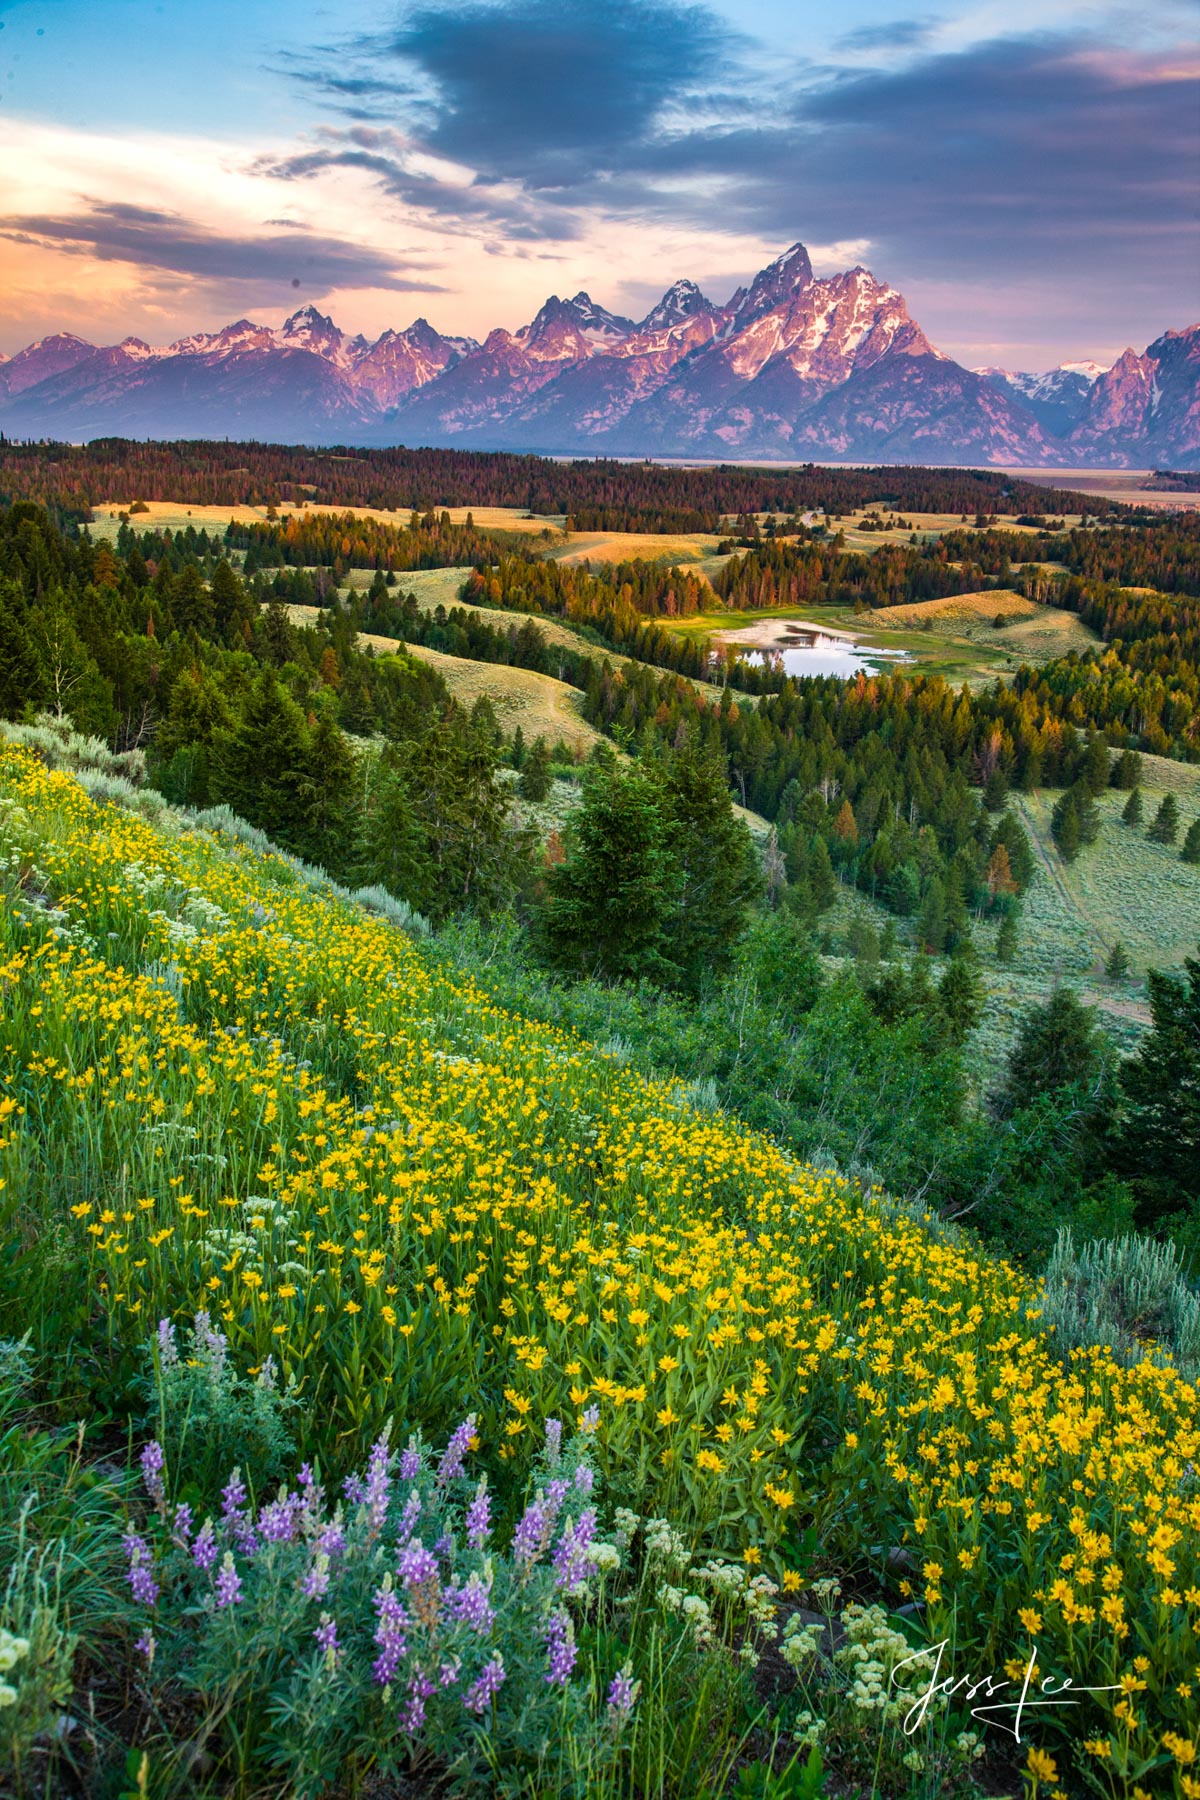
312	1491
315	1584
478	1520
389	1635
204	1549
532	1533
410	1461
181	1525
561	1650
570	1555
416	1564
229	1582
449	1672
168	1354
146	1647
279	1521
456	1450
213	1341
553	1441
140	1575
471	1605
153	1461
413	1716
327	1637
233	1496
444	1547
585	1479
621	1695
480	1694
332	1541
378	1485
354	1489
409	1517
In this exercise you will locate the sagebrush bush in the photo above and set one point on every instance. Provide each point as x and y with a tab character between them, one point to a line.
1130	1294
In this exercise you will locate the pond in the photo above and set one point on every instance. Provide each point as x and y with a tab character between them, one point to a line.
802	649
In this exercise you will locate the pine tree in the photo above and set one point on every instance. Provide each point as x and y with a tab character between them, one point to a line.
608	904
263	764
1191	844
822	881
1064	826
1006	938
995	790
931	920
1165	824
1127	770
1131	812
1058	1045
1160	1141
1094	771
714	853
535	780
1117	966
191	603
961	993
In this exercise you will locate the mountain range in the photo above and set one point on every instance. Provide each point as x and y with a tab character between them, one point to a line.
791	368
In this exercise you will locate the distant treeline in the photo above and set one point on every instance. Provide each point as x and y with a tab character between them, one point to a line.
636	497
341	541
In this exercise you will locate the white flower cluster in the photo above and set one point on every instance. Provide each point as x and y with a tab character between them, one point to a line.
801	1642
695	1611
12	1649
753	1594
664	1544
870	1655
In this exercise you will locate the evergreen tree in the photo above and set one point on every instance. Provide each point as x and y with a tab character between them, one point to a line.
1159	1145
535	778
995	790
1191	843
931	920
1165	824
609	903
1059	1045
326	829
714	854
1094	770
230	603
191	604
1126	770
1006	938
961	993
822	881
263	765
1010	832
1064	826
1131	812
1117	966
20	671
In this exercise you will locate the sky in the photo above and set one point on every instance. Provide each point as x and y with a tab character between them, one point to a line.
1026	172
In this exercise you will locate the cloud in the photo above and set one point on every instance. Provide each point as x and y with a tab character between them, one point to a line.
899	34
164	241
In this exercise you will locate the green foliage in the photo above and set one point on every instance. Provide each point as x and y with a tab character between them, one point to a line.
1059	1046
1191	844
535	772
1159	1145
1165	824
1131	813
1117	965
608	903
1129	1294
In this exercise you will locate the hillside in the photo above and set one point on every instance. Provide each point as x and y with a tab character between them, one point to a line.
225	1087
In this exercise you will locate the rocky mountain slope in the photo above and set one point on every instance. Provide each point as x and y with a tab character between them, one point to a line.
790	367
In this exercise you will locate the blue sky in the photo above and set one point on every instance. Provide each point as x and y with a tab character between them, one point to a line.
1027	174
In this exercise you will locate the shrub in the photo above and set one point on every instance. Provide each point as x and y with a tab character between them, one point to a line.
1128	1293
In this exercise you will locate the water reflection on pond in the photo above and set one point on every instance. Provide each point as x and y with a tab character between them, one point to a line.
801	649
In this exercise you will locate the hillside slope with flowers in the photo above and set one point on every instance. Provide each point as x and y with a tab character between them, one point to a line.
225	1089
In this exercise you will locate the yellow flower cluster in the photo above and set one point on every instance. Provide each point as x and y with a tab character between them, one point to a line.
239	1093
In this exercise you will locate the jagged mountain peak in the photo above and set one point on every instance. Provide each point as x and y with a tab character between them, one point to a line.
773	286
682	300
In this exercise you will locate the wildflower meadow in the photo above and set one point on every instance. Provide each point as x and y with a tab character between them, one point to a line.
229	1096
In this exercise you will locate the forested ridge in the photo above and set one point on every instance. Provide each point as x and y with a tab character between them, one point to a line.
628	496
